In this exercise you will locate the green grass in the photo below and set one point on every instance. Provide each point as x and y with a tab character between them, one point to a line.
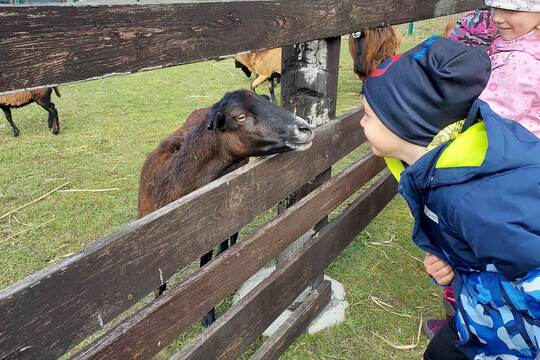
108	126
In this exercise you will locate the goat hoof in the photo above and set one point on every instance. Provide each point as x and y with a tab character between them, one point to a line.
55	132
16	134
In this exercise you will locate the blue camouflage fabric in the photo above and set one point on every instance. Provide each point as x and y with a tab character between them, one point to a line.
480	210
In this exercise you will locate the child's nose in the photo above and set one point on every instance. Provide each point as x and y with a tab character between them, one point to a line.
497	16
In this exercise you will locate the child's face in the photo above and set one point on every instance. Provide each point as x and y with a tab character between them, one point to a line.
513	24
383	141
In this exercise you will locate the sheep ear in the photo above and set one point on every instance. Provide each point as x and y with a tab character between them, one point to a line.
217	121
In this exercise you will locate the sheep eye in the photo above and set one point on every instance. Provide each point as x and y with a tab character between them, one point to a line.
241	118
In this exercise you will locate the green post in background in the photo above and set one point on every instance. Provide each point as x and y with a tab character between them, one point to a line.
411	28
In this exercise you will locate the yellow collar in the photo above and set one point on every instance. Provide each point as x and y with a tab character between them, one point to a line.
396	167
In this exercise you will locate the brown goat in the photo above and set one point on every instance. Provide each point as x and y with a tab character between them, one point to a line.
41	97
266	64
212	142
372	47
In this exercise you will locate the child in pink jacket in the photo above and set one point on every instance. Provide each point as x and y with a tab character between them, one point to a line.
513	90
511	32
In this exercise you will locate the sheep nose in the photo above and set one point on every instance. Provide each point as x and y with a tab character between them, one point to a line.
304	129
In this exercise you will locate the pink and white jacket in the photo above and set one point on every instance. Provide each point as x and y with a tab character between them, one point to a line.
513	90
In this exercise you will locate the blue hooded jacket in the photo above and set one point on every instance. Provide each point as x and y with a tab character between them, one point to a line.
476	204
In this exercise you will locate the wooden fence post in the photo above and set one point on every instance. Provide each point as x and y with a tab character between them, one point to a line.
309	89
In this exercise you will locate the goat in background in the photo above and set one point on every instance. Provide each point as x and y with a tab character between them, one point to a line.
266	64
42	97
371	47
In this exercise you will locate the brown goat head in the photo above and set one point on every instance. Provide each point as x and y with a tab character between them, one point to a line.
251	125
212	141
372	47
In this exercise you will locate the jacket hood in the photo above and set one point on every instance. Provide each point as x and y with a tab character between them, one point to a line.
528	43
509	146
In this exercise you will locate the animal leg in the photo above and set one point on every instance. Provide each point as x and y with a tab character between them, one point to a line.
209	318
232	239
7	112
160	290
56	91
56	120
257	82
224	246
53	120
271	88
205	259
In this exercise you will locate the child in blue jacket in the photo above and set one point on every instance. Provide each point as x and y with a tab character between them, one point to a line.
475	200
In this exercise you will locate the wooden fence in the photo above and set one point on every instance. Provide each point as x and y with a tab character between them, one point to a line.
53	310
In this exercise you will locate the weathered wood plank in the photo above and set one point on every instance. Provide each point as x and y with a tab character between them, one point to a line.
300	318
234	331
44	45
154	327
53	309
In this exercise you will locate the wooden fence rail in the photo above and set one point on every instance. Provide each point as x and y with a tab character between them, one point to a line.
297	322
44	45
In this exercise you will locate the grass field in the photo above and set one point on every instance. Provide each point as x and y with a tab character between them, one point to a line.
107	128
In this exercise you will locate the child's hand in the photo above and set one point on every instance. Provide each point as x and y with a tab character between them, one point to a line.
439	270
